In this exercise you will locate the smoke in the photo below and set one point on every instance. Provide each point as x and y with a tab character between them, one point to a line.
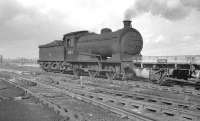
169	9
192	3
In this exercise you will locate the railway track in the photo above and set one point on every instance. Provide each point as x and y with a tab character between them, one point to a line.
133	102
140	102
123	101
137	90
42	90
189	91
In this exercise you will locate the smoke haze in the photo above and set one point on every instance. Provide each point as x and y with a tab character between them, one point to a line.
169	9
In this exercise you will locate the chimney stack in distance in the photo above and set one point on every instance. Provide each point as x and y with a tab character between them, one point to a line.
127	24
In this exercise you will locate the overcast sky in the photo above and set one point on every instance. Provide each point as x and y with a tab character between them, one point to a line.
168	27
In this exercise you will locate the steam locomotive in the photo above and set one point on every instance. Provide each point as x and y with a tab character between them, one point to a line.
108	54
115	55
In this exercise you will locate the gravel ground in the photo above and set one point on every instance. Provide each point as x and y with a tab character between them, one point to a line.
22	68
21	110
89	111
30	111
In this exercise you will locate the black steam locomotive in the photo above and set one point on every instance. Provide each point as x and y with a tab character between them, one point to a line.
108	54
115	55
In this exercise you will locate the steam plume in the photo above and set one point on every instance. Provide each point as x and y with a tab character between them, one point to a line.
169	9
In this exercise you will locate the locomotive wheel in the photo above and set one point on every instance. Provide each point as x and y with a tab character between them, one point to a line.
55	66
47	67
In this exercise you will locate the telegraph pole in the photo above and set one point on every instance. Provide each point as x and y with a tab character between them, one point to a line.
1	59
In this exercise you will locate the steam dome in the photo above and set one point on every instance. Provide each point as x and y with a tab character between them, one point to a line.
105	30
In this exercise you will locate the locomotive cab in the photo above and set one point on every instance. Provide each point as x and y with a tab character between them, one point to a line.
70	43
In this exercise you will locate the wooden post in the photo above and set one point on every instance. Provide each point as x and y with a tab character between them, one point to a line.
1	59
81	81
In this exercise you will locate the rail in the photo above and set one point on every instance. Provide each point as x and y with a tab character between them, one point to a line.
131	115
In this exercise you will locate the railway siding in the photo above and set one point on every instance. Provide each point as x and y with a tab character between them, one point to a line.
147	109
115	98
58	107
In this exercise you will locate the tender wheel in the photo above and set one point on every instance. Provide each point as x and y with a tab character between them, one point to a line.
47	67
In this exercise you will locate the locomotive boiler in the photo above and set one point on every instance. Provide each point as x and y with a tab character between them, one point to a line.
107	54
126	41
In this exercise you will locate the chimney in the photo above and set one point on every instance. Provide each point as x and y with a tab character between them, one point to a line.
127	24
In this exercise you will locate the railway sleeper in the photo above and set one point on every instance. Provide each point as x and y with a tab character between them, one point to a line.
56	108
115	102
103	99
197	108
152	100
143	107
133	107
181	116
185	117
139	98
169	114
150	110
110	101
136	106
121	103
128	96
164	88
160	101
59	108
167	103
60	112
183	106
